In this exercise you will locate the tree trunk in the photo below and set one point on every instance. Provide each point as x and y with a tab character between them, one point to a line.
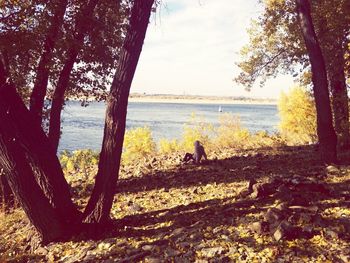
21	179
325	131
58	97
6	195
28	193
42	158
42	73
333	48
100	203
58	102
339	93
36	147
7	200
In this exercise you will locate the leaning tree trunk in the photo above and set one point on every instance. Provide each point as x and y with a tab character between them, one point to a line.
42	73
36	147
325	131
21	179
20	176
82	26
100	203
339	94
42	158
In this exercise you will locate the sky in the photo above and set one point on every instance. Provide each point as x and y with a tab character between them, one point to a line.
191	48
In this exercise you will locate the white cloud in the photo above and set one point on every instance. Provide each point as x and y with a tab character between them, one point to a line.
192	45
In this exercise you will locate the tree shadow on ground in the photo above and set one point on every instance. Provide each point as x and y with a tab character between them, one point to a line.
198	221
184	227
246	165
235	169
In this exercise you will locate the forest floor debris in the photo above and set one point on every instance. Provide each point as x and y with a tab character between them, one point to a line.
265	205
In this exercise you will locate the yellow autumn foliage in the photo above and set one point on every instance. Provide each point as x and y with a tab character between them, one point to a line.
196	129
80	160
138	144
230	133
169	146
298	117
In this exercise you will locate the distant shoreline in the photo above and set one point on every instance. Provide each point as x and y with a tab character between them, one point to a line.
192	99
201	101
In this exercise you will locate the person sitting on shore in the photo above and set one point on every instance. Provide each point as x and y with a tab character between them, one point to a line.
196	157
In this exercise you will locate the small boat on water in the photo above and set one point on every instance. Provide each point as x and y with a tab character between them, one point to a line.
220	109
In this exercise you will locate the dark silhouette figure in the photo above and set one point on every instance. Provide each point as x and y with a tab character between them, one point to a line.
199	152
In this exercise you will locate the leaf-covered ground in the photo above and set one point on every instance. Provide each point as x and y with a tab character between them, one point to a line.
166	211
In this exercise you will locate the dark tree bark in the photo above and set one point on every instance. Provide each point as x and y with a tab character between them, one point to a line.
332	45
6	195
31	165
42	73
20	175
7	199
100	203
325	131
37	150
82	26
30	196
23	184
41	157
337	83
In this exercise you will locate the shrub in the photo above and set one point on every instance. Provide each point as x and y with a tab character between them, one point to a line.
298	117
169	146
80	160
263	139
138	143
230	134
196	129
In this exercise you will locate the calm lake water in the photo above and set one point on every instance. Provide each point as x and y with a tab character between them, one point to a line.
83	126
